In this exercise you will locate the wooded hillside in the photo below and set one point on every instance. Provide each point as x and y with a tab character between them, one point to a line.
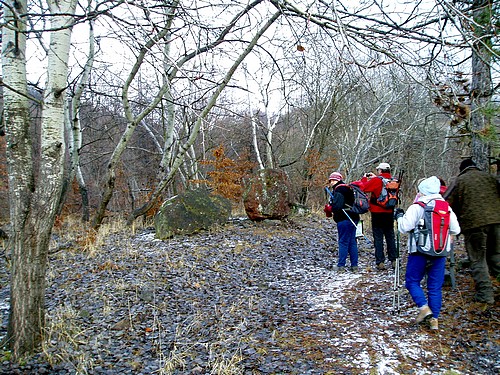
111	107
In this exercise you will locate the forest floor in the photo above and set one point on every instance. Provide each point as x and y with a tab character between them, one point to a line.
247	298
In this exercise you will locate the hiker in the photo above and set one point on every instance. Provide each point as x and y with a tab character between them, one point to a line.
474	196
426	261
346	225
382	218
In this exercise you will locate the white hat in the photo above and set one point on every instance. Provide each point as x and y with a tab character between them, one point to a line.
429	186
383	166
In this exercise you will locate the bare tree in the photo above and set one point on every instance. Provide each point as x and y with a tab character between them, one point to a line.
74	129
34	195
195	131
434	36
481	88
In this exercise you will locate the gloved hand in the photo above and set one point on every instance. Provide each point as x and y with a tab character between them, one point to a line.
398	212
328	210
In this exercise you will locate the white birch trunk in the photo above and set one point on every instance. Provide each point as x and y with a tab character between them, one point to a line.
74	130
19	158
33	207
255	140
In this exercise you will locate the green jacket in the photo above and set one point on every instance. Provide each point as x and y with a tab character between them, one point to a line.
474	197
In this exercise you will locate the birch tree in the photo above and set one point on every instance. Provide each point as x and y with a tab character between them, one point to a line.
74	129
179	158
34	195
176	153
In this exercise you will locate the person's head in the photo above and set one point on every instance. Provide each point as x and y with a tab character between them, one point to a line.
429	186
335	178
383	168
466	163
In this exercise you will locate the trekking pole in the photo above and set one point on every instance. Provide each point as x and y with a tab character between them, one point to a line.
452	265
396	284
396	287
353	223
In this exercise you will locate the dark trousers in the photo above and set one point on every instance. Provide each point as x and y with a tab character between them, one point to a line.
483	247
383	227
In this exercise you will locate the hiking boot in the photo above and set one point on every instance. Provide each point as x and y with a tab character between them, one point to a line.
354	269
393	264
339	268
433	322
424	314
381	266
485	299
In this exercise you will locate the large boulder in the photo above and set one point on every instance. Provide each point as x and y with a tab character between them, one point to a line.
190	212
267	195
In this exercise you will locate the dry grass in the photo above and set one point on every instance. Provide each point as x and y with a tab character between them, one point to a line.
62	340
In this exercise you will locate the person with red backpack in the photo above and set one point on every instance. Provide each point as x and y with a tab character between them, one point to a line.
382	217
429	221
341	199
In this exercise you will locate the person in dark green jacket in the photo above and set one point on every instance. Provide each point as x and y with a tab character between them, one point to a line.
474	197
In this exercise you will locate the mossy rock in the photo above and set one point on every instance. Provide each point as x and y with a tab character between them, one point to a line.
191	212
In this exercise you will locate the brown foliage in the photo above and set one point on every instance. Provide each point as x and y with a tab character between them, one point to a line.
73	202
318	169
227	174
453	98
156	204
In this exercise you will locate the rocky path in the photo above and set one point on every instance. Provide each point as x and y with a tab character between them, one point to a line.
249	298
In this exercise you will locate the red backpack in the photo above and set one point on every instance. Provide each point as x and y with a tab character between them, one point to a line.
432	232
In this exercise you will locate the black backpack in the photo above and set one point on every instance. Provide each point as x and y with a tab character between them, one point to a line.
361	203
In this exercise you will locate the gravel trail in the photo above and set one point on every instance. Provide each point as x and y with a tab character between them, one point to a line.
248	298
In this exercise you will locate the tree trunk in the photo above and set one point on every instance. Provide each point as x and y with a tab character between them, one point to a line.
21	184
132	122
74	129
481	84
33	206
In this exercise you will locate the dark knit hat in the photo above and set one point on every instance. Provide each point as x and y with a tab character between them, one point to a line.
466	163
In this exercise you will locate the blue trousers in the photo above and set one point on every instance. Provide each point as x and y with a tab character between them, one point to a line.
417	267
347	243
